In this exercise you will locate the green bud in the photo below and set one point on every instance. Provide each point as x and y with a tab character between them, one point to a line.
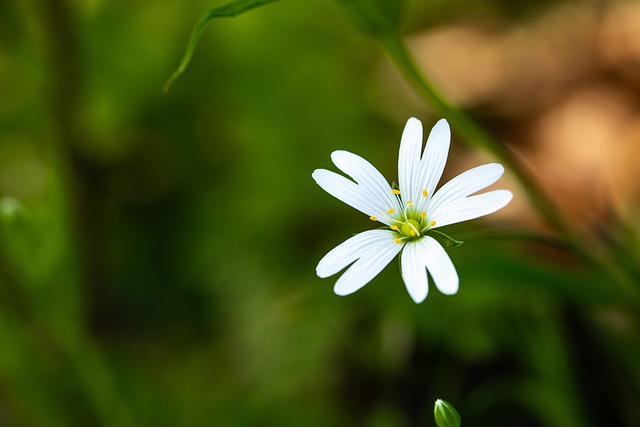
446	415
375	17
9	209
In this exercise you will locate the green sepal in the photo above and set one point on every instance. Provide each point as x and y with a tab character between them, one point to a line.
446	241
229	10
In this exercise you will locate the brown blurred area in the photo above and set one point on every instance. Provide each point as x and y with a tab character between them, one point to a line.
562	90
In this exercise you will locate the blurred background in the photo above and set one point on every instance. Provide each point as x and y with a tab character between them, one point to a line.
158	252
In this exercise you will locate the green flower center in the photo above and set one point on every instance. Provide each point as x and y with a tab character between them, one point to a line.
410	223
410	228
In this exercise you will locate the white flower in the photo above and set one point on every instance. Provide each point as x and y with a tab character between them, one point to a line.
408	212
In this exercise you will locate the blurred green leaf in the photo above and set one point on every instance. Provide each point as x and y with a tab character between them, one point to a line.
446	241
229	10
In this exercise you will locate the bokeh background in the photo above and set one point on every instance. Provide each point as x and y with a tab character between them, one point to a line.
158	252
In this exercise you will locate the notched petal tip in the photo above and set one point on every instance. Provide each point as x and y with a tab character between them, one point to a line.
440	266
414	272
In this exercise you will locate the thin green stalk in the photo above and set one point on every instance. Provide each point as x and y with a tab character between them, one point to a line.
477	137
470	130
72	205
522	235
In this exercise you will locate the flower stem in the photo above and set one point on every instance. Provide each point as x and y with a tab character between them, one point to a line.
469	129
475	136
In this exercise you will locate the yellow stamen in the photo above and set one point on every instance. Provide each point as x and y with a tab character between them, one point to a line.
394	227
409	203
373	218
423	214
432	223
394	191
413	232
397	240
390	211
424	193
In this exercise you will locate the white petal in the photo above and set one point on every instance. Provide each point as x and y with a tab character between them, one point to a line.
439	265
471	207
368	178
414	272
350	250
409	158
466	184
433	160
369	265
350	193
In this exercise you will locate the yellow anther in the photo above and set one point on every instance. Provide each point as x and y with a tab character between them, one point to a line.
432	223
423	214
373	218
394	191
394	227
424	193
397	240
409	203
390	211
410	228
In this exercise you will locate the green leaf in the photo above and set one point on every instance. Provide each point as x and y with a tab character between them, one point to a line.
229	10
446	241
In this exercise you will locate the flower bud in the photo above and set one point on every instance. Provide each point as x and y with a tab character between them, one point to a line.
9	209
445	414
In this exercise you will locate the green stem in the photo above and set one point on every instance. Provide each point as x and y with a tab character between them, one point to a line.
477	137
76	175
469	129
518	235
